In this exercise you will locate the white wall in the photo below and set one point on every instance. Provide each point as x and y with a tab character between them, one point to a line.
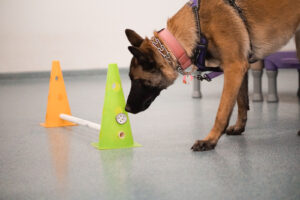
82	34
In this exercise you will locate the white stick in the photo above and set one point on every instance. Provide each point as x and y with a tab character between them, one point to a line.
79	121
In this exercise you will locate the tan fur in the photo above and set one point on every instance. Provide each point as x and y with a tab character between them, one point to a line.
259	65
184	31
153	80
139	73
270	25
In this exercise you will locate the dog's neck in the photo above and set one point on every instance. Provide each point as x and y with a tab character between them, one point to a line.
183	26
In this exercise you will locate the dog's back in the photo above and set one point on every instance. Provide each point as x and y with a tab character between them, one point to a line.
272	23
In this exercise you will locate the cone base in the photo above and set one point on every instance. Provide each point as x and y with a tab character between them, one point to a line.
54	126
97	146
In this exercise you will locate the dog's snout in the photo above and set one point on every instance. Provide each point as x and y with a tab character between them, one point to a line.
128	108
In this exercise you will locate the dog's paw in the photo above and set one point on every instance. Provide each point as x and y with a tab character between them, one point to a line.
203	145
234	130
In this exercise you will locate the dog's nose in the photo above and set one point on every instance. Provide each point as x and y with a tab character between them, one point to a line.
127	108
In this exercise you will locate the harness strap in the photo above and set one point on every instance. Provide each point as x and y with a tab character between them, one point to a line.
195	6
201	49
208	76
239	10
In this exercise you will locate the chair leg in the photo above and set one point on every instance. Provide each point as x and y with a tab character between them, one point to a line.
196	88
272	86
257	91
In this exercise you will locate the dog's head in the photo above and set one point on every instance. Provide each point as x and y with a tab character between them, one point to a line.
149	72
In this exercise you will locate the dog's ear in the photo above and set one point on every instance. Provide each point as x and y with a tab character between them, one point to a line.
140	56
134	38
145	60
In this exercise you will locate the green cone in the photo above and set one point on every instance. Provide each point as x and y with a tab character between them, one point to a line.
115	130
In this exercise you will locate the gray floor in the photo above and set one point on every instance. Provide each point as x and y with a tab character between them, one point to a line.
60	163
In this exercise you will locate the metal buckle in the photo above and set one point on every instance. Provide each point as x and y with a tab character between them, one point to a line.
180	70
203	77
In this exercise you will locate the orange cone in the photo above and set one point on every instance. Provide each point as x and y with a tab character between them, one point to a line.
57	99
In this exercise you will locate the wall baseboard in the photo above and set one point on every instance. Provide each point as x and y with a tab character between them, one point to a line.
66	73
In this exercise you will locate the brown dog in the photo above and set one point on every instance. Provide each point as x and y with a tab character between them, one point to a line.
232	32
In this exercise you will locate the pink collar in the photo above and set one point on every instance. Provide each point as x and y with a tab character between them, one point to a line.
176	48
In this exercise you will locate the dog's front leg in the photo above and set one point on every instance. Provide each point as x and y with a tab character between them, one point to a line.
243	107
233	77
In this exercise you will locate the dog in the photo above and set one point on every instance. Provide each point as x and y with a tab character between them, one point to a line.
237	33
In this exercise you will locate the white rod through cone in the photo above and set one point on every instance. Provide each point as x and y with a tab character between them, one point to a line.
79	121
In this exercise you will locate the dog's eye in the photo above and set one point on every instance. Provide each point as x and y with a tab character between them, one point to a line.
147	82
